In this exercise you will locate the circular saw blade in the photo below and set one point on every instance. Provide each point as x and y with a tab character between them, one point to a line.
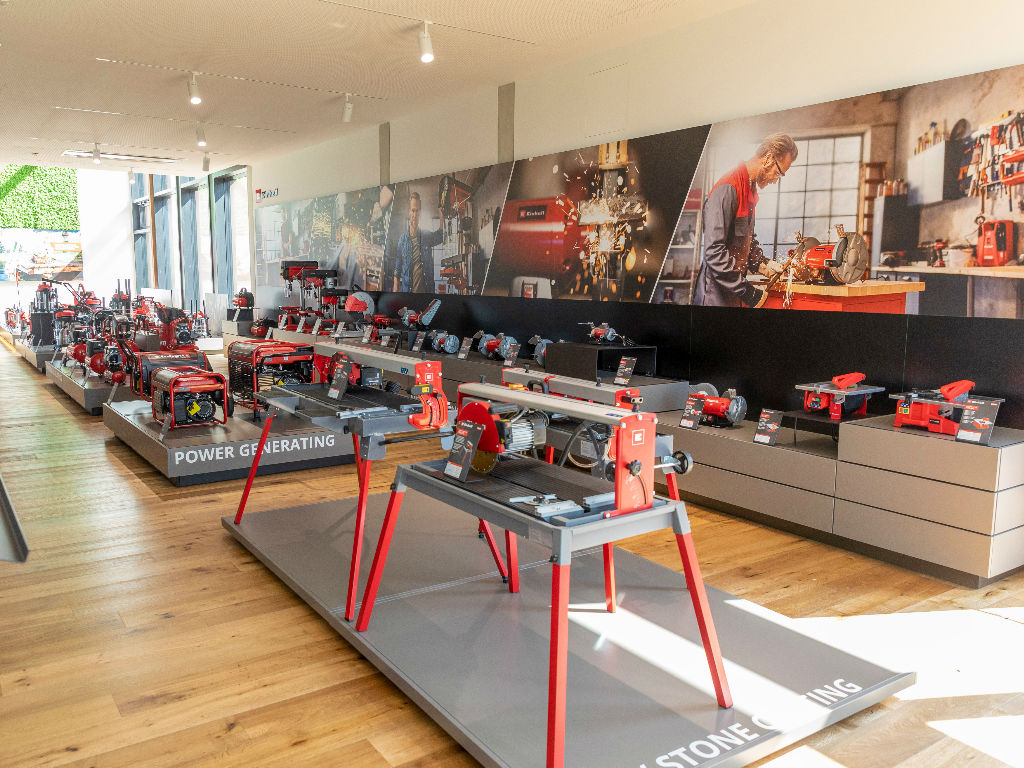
484	461
354	302
853	259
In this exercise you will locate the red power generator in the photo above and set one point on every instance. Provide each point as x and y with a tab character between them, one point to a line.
256	365
149	362
996	244
190	397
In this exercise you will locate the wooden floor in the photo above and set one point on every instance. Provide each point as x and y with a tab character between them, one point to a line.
140	634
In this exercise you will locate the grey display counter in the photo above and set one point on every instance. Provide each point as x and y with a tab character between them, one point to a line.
34	356
6	335
932	498
194	455
904	495
659	394
89	391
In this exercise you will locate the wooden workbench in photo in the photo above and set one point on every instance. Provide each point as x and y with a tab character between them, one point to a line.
885	296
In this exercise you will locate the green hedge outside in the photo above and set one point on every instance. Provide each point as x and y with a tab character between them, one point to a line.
38	198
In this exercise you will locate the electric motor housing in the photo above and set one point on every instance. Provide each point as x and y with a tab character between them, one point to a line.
189	396
257	365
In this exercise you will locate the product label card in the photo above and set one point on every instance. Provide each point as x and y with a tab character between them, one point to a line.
301	325
691	412
464	349
513	353
417	343
367	332
316	326
626	366
768	427
339	382
460	460
977	421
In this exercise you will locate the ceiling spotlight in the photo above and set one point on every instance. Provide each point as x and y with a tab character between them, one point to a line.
206	162
96	153
200	135
426	48
346	116
193	91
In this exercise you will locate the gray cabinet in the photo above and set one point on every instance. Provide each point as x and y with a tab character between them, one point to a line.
932	174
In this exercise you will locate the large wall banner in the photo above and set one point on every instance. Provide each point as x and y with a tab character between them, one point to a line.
593	223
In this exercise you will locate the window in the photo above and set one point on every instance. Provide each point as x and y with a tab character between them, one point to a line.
819	191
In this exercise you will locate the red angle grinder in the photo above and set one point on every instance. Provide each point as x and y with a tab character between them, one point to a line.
720	411
843	396
937	410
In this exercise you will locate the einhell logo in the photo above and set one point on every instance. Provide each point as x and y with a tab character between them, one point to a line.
263	194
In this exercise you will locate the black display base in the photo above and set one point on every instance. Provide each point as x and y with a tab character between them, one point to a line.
474	657
588	361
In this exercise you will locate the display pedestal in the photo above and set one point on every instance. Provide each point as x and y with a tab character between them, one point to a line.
35	356
90	392
193	455
885	296
449	634
6	335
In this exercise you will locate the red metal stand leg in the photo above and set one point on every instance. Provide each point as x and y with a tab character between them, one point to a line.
512	553
699	596
549	454
609	578
253	468
379	558
558	665
357	539
673	486
485	529
355	450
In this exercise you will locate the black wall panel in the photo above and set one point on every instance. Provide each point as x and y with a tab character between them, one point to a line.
764	353
988	351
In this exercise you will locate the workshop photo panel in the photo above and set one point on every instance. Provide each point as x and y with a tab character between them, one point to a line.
443	229
908	201
346	231
593	223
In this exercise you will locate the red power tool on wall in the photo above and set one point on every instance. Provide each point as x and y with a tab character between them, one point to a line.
937	410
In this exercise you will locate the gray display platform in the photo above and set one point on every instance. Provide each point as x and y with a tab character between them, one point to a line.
13	546
659	394
194	455
35	356
9	337
473	656
90	392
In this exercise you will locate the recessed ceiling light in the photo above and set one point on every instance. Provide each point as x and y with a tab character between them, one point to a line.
193	91
426	47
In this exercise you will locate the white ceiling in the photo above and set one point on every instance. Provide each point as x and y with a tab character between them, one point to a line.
273	74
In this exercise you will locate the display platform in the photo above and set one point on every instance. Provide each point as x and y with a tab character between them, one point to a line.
659	394
449	634
90	392
8	336
195	455
35	356
13	547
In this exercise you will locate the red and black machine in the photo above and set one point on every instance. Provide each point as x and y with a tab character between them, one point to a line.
261	328
844	395
601	334
937	410
839	263
996	243
189	397
720	411
557	508
254	366
491	346
174	327
139	367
